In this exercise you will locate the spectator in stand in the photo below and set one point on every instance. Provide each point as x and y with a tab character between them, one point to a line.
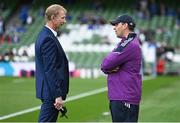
82	18
98	5
142	9
163	9
6	38
10	55
2	26
2	6
23	14
171	12
153	8
69	17
30	19
12	31
41	11
2	58
178	18
160	66
24	53
15	37
21	28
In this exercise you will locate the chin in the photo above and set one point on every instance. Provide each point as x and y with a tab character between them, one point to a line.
62	24
118	36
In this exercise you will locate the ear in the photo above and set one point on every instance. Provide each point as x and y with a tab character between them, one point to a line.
125	25
52	17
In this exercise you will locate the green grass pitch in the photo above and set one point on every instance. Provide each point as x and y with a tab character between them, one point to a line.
160	100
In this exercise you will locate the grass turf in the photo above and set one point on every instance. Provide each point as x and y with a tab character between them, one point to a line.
160	100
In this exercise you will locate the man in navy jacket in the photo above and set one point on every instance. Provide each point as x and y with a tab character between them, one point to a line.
52	72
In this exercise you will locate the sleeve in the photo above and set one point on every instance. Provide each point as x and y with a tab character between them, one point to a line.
117	58
49	56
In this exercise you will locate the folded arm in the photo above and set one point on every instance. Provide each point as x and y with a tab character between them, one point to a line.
112	62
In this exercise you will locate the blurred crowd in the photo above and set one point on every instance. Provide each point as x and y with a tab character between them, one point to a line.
11	33
147	9
144	9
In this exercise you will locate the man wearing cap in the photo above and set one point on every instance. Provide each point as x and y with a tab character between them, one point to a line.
122	66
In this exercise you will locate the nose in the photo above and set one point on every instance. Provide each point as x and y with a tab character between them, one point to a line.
114	28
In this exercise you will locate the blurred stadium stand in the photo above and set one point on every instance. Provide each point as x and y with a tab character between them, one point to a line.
87	36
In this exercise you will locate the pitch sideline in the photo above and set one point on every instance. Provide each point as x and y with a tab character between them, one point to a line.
89	93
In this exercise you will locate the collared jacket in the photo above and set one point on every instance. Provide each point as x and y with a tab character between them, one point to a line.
52	70
125	83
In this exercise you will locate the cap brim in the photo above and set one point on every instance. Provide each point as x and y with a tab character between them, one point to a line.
114	22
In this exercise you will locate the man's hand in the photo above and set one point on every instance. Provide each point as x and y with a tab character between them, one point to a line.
58	103
113	70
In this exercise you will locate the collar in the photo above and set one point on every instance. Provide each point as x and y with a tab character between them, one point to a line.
54	32
131	35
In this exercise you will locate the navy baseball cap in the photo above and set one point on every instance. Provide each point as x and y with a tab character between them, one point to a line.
124	19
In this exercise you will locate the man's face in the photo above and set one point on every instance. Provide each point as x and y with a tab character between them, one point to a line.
59	19
119	29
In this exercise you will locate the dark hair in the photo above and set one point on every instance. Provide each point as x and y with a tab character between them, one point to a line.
131	28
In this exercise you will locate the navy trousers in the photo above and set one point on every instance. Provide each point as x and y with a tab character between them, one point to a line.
123	112
48	112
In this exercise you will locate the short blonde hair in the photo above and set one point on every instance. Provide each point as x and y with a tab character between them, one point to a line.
53	10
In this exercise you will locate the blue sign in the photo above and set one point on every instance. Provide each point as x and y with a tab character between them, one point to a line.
8	69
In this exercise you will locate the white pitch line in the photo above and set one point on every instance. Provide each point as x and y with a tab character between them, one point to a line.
89	93
16	81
